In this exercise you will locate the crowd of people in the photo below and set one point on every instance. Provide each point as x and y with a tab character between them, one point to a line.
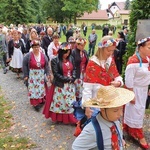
72	82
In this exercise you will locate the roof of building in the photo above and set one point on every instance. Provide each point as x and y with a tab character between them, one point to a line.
124	12
100	15
121	5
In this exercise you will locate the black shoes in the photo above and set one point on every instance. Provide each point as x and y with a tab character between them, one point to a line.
37	108
4	71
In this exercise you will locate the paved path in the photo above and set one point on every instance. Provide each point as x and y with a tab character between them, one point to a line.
28	123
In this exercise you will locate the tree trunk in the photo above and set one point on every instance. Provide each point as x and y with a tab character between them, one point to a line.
75	18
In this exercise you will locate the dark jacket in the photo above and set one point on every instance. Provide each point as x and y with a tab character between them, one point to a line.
59	78
11	47
76	55
45	43
68	34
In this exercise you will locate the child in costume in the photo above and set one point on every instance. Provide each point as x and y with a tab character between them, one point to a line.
110	100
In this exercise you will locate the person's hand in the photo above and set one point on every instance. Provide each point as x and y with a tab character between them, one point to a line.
88	112
116	83
26	78
149	92
133	101
8	60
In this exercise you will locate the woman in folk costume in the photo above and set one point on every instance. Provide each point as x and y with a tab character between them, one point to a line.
58	105
32	36
81	60
35	67
100	70
53	47
16	50
137	79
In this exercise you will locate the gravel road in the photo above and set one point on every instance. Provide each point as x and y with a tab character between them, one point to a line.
29	123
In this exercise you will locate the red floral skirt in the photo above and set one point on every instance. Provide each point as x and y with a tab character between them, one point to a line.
36	102
136	133
56	117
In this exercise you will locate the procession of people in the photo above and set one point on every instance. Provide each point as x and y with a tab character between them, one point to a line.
67	82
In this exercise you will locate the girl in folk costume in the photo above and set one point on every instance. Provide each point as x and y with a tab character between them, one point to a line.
53	47
35	66
58	104
137	79
16	50
101	70
81	60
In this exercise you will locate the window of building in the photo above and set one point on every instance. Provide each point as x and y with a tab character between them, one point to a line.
126	22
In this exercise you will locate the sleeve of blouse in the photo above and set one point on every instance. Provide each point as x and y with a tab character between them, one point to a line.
86	140
50	52
119	78
129	76
87	91
47	68
25	67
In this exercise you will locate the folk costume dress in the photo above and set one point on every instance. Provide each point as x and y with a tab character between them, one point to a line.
99	73
35	69
137	76
52	50
16	51
81	60
58	105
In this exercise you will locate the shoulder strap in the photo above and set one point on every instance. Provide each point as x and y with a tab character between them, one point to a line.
98	131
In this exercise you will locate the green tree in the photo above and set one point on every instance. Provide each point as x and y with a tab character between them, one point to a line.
127	5
16	11
20	11
53	9
139	10
79	7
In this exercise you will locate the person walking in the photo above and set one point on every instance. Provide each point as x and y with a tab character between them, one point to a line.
137	79
35	67
92	42
100	70
58	104
16	50
120	51
84	29
47	39
3	50
81	59
104	131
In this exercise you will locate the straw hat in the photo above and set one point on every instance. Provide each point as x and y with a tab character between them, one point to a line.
109	97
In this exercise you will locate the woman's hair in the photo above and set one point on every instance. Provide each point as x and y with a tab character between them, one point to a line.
142	44
121	35
100	51
64	48
32	30
55	36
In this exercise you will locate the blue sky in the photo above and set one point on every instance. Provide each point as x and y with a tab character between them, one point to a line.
105	3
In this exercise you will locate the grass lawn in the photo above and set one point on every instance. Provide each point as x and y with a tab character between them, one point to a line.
8	142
